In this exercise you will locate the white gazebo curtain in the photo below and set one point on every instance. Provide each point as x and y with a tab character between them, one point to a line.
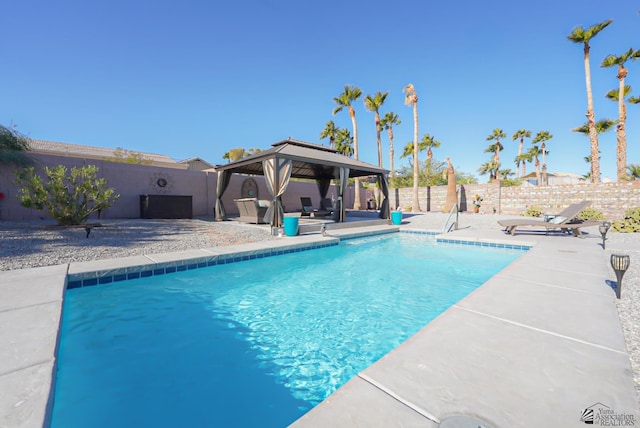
277	173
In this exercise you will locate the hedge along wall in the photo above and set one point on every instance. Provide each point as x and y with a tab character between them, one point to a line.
612	199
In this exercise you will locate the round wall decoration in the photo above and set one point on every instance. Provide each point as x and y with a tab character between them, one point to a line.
249	188
161	183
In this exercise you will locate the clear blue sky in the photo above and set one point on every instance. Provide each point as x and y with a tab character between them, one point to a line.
197	78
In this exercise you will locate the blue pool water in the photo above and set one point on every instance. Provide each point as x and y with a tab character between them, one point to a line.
253	343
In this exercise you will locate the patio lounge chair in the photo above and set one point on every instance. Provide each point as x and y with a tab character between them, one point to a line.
252	210
327	205
308	210
565	221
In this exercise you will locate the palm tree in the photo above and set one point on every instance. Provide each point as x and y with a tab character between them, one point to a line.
489	167
373	104
602	126
13	146
621	141
505	173
351	94
542	137
634	171
580	35
387	123
520	135
411	99
496	147
330	130
534	152
621	134
428	142
409	150
522	159
344	142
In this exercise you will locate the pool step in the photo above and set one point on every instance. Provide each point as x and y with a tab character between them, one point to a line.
316	227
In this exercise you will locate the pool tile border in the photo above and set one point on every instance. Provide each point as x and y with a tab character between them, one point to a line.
136	271
486	244
99	277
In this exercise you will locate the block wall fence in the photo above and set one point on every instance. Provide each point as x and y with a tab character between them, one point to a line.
612	199
131	181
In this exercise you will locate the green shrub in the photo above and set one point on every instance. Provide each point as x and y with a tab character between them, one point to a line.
590	213
533	211
630	223
69	199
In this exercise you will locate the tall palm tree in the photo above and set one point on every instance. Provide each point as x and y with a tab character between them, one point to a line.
345	99
602	126
496	147
621	140
521	134
542	137
580	35
411	99
387	123
344	142
373	104
330	130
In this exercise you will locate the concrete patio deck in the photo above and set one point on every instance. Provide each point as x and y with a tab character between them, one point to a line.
536	345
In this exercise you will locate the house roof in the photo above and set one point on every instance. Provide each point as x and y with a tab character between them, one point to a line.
555	174
312	161
77	150
197	163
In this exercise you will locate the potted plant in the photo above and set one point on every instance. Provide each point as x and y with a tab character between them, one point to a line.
477	200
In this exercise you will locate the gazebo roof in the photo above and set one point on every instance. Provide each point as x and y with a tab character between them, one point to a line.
312	161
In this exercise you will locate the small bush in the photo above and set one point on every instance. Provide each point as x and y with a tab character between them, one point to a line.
511	182
590	213
630	223
69	199
533	211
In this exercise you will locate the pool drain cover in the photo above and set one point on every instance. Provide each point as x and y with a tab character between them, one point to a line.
463	421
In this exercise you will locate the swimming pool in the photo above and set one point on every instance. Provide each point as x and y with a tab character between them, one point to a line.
255	343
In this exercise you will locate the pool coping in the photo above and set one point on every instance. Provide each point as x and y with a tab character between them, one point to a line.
31	313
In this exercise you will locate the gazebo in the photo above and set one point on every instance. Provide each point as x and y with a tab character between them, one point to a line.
293	158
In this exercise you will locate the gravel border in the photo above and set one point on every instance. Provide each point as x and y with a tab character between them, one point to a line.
34	244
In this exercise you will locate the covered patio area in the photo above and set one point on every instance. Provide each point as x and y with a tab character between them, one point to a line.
293	158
